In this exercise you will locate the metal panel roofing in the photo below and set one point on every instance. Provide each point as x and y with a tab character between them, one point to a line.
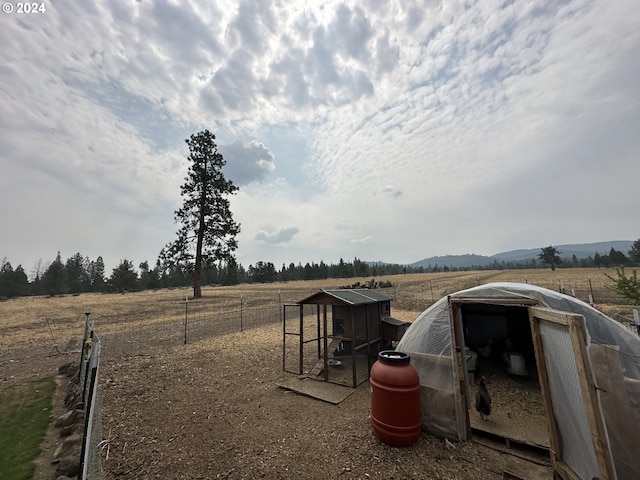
360	296
393	321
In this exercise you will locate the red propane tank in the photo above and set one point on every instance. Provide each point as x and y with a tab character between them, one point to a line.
395	399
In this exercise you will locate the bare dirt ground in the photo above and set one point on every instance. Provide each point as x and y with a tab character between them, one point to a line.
212	409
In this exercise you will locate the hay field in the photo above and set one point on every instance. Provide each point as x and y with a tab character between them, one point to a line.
25	321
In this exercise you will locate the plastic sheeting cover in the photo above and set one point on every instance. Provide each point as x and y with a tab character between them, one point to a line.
429	343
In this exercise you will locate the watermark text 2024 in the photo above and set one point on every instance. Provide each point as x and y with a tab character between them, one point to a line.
24	8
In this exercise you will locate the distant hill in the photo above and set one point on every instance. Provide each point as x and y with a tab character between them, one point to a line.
581	250
455	261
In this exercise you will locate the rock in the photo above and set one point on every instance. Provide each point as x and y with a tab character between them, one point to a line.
73	395
67	445
69	418
77	427
69	466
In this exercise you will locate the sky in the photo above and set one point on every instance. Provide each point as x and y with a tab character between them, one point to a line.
383	130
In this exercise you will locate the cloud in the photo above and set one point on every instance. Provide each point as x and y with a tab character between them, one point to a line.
231	88
247	163
392	192
253	26
361	240
351	120
387	55
278	237
351	31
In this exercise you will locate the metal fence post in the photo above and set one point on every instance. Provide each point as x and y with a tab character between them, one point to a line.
186	316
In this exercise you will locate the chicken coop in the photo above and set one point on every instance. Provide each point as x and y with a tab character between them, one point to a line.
564	377
335	335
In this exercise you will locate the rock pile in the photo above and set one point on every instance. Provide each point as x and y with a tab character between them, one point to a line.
71	425
369	284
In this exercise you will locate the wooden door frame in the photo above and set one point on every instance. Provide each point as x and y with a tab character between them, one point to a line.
455	318
576	329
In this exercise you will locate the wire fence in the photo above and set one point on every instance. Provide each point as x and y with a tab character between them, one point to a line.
91	396
126	333
183	323
417	296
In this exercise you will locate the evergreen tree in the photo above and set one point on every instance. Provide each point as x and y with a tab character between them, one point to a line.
97	279
282	274
174	271
307	272
293	272
634	252
341	270
36	275
263	272
77	271
597	260
124	278
323	270
617	258
54	279
208	231
20	282
628	287
149	279
549	255
231	273
6	272
13	283
210	274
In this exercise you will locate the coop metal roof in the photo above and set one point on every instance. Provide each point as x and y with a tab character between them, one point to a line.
394	321
359	296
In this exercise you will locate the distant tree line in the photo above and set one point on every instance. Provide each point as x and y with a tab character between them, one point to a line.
551	256
79	274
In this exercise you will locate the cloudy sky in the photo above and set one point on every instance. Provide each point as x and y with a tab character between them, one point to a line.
389	130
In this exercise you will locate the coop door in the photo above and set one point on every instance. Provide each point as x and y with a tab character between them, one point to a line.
579	447
292	338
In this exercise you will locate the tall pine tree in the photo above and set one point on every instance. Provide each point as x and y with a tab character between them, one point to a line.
208	231
550	255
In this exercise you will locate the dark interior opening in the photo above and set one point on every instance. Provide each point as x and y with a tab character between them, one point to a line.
500	348
499	335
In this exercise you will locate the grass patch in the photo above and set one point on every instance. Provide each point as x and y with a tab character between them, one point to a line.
25	413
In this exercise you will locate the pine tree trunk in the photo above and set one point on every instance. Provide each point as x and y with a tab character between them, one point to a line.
197	290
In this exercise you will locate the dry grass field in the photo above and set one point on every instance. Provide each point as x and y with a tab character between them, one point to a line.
211	408
25	321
